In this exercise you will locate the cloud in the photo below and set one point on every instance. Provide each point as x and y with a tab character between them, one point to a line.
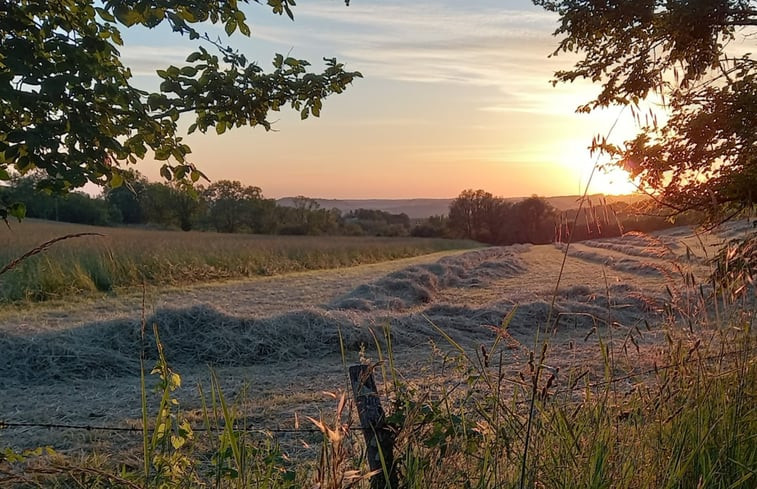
144	60
481	45
478	46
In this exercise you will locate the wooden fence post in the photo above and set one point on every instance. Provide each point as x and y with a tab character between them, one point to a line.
379	439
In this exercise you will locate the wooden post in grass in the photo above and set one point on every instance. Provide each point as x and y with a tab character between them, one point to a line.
379	439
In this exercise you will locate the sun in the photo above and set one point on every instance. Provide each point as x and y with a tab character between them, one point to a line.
575	157
612	181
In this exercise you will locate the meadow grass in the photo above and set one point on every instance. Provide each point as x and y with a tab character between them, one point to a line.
126	258
689	422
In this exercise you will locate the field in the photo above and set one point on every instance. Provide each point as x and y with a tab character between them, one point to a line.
119	258
625	380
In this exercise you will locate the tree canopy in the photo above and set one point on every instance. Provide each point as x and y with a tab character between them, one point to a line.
69	109
704	157
479	215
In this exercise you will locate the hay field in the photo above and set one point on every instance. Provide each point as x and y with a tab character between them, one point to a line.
124	258
279	340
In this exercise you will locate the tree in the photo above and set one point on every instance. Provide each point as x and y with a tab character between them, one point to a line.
533	221
231	204
73	207
483	217
470	214
125	199
68	108
705	156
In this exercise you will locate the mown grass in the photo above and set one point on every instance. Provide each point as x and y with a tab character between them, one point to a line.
689	422
125	258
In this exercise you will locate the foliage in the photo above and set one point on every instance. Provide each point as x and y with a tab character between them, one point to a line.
124	201
705	156
69	110
480	216
224	206
432	227
231	204
379	223
72	207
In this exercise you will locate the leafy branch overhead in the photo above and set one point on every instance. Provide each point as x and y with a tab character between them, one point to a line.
688	55
69	110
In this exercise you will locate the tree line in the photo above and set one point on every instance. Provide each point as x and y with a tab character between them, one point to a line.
224	206
481	216
231	207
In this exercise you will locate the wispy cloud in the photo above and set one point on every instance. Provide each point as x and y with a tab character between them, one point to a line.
474	45
144	60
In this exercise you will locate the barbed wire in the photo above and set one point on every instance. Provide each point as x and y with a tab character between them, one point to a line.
134	429
277	430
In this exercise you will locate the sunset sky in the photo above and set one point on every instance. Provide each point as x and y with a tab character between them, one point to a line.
455	95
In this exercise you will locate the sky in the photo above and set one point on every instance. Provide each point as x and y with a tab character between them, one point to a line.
455	95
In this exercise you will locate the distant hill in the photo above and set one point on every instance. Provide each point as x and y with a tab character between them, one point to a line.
421	208
414	208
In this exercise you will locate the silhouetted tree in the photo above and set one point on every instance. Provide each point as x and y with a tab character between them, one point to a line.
125	200
232	205
469	213
432	227
69	109
705	156
480	216
534	220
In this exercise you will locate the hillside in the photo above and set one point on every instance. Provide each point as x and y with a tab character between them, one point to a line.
421	208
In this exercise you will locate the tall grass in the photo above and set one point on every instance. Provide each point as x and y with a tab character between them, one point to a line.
689	422
125	258
692	423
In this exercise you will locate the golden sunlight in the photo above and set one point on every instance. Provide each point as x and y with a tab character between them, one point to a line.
608	181
612	181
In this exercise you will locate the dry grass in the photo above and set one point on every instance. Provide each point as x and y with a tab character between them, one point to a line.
620	400
128	258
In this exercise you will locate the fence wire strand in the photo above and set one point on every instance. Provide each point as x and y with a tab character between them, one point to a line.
277	430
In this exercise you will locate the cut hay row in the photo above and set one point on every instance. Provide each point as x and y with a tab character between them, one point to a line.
418	285
636	244
628	265
202	335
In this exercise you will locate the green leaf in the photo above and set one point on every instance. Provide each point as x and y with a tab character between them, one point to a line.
165	172
288	11
104	14
127	16
230	27
17	210
116	180
4	175
162	154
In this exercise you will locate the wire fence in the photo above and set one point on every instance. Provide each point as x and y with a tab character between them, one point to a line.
257	428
